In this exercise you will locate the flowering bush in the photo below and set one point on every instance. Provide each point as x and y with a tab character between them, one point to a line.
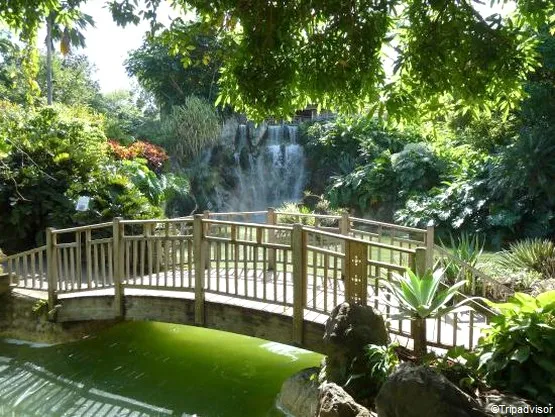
155	155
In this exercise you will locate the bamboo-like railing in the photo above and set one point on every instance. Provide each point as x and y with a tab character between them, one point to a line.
306	267
28	269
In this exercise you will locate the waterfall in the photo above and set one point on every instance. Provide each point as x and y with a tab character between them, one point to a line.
270	172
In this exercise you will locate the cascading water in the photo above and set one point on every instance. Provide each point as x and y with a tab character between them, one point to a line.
271	172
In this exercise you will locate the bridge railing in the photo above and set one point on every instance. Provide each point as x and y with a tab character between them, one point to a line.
156	253
28	269
303	268
249	260
80	258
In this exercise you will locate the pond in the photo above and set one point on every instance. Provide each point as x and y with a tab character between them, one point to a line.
148	369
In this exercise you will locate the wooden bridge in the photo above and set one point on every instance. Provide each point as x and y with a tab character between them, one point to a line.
285	275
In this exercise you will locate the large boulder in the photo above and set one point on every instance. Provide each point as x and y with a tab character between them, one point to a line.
349	329
299	393
335	402
416	391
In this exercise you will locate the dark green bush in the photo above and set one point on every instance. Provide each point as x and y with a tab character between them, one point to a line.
53	156
417	168
518	351
50	150
368	373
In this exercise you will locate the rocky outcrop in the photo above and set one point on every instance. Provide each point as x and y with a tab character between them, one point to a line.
416	391
299	393
5	282
335	402
348	330
543	285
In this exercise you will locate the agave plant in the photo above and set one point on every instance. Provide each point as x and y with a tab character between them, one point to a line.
467	248
420	297
530	254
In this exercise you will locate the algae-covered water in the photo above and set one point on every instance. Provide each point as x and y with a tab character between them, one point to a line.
148	369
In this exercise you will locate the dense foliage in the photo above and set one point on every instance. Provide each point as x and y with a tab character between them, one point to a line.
172	77
281	56
518	350
351	159
532	255
54	155
189	129
155	156
489	177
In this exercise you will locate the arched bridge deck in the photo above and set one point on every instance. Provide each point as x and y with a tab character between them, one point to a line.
275	280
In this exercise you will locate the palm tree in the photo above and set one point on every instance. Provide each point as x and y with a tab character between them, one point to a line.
64	25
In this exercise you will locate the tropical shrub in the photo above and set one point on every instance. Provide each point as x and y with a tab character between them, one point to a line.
113	194
417	168
189	129
531	254
154	155
466	248
459	366
53	156
369	373
517	352
291	213
348	143
49	150
419	297
367	188
461	205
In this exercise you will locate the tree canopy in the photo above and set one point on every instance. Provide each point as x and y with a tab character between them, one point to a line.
172	77
281	56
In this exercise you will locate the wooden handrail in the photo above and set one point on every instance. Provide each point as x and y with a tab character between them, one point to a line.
154	221
354	239
244	224
82	228
388	225
475	271
20	254
315	215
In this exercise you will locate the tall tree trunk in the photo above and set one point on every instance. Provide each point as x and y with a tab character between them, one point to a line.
49	23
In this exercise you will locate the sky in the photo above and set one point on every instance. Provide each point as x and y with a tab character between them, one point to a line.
108	44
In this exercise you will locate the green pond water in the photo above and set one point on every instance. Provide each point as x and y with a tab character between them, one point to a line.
148	369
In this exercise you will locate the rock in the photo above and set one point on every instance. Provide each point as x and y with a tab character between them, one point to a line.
348	330
543	285
416	391
335	402
299	393
5	282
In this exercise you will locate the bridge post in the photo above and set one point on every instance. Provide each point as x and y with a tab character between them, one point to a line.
299	280
344	223
200	263
119	265
271	218
356	272
51	267
430	247
420	261
206	248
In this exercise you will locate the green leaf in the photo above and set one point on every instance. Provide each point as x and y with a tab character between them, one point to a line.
521	354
